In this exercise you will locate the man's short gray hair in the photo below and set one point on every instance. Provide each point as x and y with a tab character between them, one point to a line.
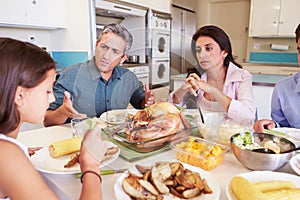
120	31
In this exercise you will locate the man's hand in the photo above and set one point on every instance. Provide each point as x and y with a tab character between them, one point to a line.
149	96
66	108
260	125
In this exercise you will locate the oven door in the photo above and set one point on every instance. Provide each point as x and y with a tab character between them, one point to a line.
160	72
161	44
141	72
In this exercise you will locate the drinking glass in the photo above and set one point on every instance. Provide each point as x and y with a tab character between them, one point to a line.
79	126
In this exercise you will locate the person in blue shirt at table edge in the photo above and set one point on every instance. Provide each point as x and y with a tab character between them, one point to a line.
99	85
285	111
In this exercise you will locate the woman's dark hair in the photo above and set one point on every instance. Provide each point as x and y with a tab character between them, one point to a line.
297	31
21	64
220	37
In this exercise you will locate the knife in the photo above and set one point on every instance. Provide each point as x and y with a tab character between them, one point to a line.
110	131
106	172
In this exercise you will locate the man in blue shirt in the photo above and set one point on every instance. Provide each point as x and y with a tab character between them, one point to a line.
285	110
99	84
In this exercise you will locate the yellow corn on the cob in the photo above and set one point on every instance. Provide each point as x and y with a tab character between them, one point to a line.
267	186
64	147
244	190
289	194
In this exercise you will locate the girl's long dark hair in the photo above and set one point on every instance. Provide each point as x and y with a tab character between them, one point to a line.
21	64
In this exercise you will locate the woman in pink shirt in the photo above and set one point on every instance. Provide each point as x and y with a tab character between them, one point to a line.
219	84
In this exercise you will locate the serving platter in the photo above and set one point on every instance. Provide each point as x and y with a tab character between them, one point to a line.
43	162
292	134
211	181
257	176
295	163
118	116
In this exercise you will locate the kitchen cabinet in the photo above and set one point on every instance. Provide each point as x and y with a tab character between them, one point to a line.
274	18
159	5
47	14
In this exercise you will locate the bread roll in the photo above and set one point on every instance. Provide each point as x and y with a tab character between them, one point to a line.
64	147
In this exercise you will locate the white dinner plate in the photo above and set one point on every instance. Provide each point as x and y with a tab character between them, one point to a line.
257	176
116	116
211	181
43	162
295	163
293	133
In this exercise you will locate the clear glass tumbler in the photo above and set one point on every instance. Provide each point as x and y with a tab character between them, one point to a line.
79	126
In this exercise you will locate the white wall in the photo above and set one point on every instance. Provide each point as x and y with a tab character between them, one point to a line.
262	97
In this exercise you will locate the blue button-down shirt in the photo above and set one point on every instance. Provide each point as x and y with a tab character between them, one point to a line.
92	95
285	108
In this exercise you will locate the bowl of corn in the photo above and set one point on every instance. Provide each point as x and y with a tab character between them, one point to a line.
199	152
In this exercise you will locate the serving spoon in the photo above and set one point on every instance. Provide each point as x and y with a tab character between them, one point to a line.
264	150
270	151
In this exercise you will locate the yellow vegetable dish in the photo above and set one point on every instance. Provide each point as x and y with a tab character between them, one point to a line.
199	152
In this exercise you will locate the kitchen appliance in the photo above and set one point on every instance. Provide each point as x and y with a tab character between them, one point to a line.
158	48
141	71
160	72
183	27
135	59
132	17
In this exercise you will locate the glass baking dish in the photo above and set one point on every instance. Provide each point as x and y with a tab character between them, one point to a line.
152	145
199	152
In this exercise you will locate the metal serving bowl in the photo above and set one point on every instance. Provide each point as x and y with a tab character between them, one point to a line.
263	161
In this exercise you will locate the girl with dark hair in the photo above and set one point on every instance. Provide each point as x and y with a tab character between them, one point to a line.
222	85
27	74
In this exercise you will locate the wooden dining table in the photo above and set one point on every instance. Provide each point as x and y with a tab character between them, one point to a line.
68	186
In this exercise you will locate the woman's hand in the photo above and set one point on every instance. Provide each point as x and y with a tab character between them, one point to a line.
193	83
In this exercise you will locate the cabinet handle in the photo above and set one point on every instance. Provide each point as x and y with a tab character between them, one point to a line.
281	22
274	22
33	1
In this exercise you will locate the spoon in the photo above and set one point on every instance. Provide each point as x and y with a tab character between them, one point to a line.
270	151
291	150
264	150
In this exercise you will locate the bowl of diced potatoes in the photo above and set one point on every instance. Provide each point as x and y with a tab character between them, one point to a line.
199	152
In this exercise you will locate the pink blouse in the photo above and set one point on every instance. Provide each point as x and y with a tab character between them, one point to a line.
237	86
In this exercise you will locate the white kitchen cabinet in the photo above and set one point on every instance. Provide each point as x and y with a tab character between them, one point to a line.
33	13
160	5
274	18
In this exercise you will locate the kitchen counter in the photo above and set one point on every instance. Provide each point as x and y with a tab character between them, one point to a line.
258	78
267	79
262	68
